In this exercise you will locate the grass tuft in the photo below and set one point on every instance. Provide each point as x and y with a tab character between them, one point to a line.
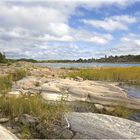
18	74
5	84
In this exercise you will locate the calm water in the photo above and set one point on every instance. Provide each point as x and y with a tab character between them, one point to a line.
132	90
84	65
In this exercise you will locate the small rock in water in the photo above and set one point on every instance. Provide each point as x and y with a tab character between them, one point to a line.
98	106
4	120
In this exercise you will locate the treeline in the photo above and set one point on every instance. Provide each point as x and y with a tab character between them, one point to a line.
105	59
114	59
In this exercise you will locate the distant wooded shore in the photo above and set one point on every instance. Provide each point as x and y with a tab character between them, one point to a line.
105	59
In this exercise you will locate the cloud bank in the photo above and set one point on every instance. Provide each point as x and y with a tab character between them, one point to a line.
43	29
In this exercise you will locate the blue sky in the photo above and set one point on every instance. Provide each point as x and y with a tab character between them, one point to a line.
64	29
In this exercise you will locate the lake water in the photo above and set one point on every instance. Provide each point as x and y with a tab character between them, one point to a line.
84	65
132	90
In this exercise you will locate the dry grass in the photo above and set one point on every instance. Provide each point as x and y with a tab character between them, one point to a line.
118	74
6	81
17	74
5	84
48	114
32	105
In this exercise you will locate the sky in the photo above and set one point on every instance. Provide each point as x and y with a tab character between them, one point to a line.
69	29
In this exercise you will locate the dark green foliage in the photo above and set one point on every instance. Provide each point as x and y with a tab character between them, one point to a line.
2	58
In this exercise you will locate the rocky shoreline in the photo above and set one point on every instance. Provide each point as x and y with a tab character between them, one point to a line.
48	83
55	89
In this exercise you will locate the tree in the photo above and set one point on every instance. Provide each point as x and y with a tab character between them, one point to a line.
2	57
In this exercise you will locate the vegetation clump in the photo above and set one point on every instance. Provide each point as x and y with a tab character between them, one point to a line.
5	84
114	74
119	110
18	74
6	81
48	114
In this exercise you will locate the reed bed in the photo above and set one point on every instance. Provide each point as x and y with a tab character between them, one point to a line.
117	74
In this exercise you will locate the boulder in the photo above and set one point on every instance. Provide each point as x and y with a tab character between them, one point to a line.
99	126
98	106
4	120
28	120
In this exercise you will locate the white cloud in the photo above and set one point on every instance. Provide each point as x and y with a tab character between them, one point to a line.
112	23
81	36
27	26
130	44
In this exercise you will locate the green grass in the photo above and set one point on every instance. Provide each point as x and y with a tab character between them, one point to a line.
6	81
47	113
5	84
118	111
121	111
117	74
32	105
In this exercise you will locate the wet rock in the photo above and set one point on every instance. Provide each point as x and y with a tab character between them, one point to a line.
26	119
135	117
4	120
98	106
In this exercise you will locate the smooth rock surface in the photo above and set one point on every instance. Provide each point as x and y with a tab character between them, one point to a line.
103	93
98	126
6	134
